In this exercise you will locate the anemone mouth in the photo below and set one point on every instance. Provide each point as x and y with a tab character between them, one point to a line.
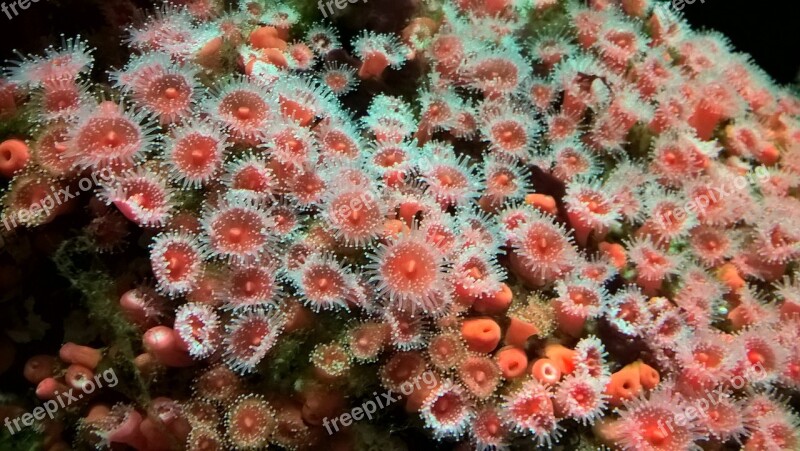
623	41
177	263
250	335
338	82
61	100
169	93
450	178
323	283
672	157
338	142
583	297
708	357
670	210
444	350
390	157
654	259
531	409
244	108
238	231
30	195
489	429
248	340
437	112
356	216
760	353
510	136
502	181
561	127
407	330
52	149
595	203
367	340
497	73
542	243
114	137
308	187
447	47
584	397
179	259
196	157
447	408
322	42
402	367
143	194
480	376
249	286
204	439
252	178
291	145
571	163
440	236
285	219
143	199
409	269
251	422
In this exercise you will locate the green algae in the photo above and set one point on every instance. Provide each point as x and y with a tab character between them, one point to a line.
77	263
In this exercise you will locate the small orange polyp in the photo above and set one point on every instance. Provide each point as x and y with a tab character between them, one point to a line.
648	376
543	202
495	303
14	155
261	37
570	323
82	355
274	56
373	65
512	361
563	357
519	331
546	371
625	384
615	252
729	275
481	334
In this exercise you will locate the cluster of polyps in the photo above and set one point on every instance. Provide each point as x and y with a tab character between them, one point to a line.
271	209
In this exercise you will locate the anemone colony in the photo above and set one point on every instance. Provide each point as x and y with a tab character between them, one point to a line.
581	221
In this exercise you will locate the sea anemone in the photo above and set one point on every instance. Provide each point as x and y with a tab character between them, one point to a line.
249	337
177	261
447	411
529	410
237	229
194	153
108	134
409	272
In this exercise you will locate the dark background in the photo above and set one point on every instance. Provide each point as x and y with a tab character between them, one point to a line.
767	30
100	21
